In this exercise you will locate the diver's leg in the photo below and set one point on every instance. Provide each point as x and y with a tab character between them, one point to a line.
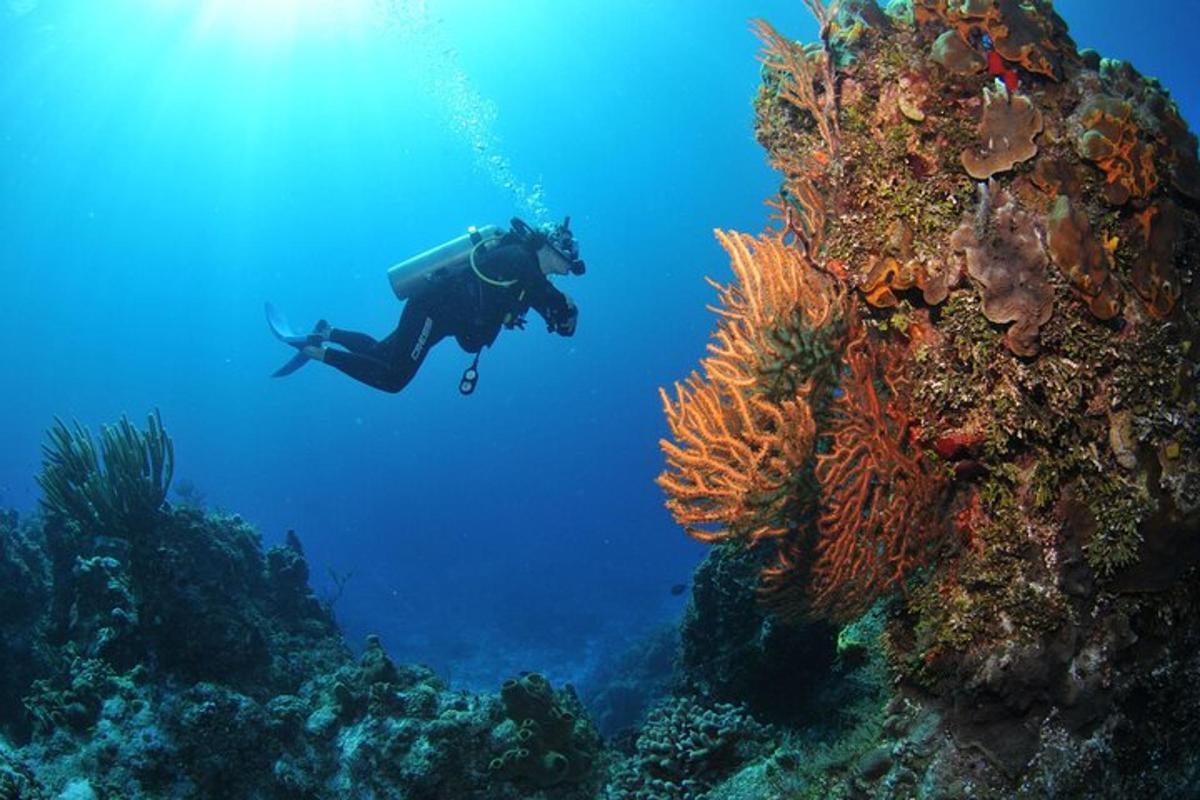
353	341
393	362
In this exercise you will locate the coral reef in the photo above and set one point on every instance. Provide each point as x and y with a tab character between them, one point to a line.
554	743
688	746
175	658
945	444
998	459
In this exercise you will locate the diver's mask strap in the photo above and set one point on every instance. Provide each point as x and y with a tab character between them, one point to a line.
470	377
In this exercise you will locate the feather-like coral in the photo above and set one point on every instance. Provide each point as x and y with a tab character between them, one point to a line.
743	461
744	431
879	510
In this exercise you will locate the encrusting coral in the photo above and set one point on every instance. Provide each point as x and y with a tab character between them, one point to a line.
1084	260
1022	33
1110	139
1154	276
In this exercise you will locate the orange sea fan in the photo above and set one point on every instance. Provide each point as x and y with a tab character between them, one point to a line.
801	207
879	508
732	461
737	451
852	517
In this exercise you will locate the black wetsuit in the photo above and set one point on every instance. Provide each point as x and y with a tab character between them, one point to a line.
462	306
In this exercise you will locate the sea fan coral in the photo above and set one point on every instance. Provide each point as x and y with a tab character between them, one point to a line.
743	455
744	431
879	495
804	81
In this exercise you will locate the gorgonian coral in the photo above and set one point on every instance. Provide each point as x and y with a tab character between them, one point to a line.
115	490
878	494
739	445
804	81
743	453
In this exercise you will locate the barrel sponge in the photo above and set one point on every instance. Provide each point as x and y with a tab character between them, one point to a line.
1082	258
1005	258
1007	130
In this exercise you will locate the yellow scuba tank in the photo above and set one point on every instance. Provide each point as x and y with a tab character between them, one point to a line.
411	276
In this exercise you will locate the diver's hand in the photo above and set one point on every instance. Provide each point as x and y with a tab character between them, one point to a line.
564	324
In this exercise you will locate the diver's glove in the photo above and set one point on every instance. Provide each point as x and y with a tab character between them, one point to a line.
564	322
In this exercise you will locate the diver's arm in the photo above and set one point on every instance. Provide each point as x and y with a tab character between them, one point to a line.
559	312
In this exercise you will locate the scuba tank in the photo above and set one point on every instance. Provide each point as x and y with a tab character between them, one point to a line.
411	276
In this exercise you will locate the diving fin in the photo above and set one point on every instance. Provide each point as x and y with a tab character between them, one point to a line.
282	329
283	332
294	363
278	323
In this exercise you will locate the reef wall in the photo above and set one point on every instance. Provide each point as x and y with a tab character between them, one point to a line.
955	382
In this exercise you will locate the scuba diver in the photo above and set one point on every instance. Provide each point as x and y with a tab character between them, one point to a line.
468	288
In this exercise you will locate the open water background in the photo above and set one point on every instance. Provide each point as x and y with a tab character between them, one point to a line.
168	165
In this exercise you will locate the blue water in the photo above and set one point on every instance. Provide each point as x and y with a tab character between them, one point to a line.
166	166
